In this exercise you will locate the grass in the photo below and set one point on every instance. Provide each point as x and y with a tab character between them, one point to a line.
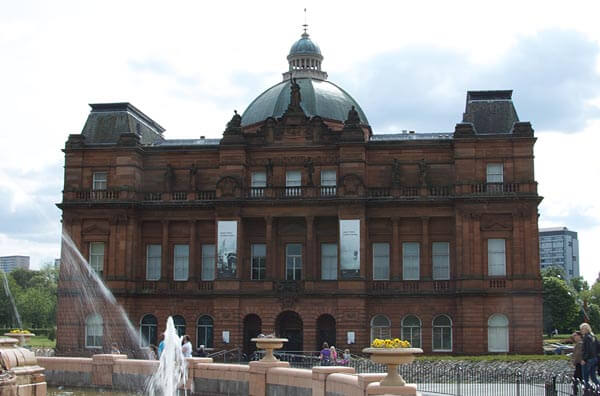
41	342
498	358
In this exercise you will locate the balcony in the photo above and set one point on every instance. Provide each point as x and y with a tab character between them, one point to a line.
97	195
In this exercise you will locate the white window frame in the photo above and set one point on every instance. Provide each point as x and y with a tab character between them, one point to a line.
411	270
328	182
153	263
295	260
96	260
94	324
440	260
433	327
293	183
496	257
410	329
258	182
329	261
181	262
497	330
209	255
148	328
494	173
381	331
381	261
261	260
99	181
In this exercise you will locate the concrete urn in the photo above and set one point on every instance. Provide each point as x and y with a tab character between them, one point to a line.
392	357
268	344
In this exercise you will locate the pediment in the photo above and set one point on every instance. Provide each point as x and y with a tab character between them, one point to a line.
96	229
496	223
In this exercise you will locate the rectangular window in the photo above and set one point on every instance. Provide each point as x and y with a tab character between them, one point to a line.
440	254
153	258
293	261
496	257
381	261
208	262
328	182
181	262
259	261
293	183
99	180
410	261
495	173
258	184
97	257
329	261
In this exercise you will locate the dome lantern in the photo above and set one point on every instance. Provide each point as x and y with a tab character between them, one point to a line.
305	59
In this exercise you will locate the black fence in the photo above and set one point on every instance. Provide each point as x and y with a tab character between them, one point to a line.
456	379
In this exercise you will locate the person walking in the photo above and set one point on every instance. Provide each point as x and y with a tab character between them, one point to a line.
589	358
576	360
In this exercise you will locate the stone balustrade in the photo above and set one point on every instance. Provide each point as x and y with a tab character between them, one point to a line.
207	378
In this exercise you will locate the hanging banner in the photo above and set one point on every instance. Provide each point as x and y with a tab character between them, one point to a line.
227	249
350	248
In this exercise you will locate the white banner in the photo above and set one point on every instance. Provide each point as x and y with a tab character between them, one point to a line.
227	249
350	247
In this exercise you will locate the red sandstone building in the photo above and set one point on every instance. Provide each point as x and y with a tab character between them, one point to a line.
303	222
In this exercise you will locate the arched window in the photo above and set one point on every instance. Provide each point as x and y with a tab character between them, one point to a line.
204	331
148	330
380	327
442	333
93	331
411	330
179	323
498	333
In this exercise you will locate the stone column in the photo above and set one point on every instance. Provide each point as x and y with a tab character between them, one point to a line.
312	272
241	270
194	264
476	242
258	376
395	259
110	260
426	263
364	243
320	374
270	270
166	272
102	369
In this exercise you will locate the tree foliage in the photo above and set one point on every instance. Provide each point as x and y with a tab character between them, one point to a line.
35	295
560	305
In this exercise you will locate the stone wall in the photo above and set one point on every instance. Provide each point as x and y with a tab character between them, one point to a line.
206	378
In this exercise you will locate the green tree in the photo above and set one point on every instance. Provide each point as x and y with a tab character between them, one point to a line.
579	284
36	306
560	305
557	272
7	314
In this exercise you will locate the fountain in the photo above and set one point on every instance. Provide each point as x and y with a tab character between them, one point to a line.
80	282
172	369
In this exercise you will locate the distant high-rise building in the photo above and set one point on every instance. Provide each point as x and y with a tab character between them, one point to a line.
559	247
56	263
9	263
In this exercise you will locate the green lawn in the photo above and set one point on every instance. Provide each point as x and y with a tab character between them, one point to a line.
41	342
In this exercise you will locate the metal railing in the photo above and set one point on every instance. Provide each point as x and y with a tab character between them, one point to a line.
460	380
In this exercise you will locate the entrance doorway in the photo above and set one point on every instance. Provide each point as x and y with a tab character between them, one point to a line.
325	330
289	325
252	328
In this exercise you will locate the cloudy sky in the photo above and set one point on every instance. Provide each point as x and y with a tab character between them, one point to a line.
189	64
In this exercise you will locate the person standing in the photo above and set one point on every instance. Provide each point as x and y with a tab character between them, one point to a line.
589	358
576	360
186	346
325	355
333	355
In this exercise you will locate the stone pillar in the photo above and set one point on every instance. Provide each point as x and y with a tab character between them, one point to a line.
395	259
166	272
320	374
312	272
476	242
102	369
426	263
258	376
194	264
364	243
270	270
241	270
110	261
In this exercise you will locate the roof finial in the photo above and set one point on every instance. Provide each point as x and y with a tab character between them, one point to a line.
305	26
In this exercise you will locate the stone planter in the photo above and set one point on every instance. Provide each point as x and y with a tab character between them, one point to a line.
22	337
392	357
268	344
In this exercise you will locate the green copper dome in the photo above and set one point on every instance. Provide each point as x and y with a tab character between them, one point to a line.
304	46
318	98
